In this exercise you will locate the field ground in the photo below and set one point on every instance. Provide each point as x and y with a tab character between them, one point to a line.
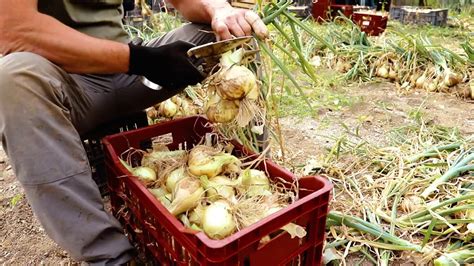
374	109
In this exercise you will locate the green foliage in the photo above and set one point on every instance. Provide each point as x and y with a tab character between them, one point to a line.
320	98
152	27
15	199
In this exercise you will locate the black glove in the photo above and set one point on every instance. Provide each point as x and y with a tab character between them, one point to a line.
128	5
167	65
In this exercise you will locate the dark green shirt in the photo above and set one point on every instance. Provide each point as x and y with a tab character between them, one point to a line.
98	18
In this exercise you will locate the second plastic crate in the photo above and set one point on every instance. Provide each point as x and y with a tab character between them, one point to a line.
419	16
93	145
164	239
398	12
435	17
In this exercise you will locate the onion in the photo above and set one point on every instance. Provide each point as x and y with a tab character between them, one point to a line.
217	220
471	88
253	94
293	229
431	86
158	192
412	203
405	85
187	194
413	79
168	109
316	61
204	160
468	91
187	109
451	78
255	182
392	74
144	174
195	216
470	228
173	178
233	83
196	227
158	159
166	200
184	219
152	113
218	186
221	111
126	165
178	114
342	66
163	155
382	71
420	81
177	100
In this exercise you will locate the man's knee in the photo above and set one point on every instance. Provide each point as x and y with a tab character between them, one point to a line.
19	72
15	63
197	34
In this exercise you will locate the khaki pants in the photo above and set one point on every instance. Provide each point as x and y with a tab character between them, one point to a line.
43	112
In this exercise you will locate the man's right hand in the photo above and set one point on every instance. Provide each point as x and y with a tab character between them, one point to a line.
228	21
167	65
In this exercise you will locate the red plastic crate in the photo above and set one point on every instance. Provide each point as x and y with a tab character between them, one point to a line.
320	10
346	10
162	237
372	24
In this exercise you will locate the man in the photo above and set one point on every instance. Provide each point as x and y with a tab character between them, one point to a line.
67	67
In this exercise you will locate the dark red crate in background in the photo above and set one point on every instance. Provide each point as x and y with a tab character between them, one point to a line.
164	239
372	24
346	10
320	10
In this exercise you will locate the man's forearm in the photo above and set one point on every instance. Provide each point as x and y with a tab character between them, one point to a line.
64	46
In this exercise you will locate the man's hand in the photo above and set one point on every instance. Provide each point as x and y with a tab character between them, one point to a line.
228	22
167	65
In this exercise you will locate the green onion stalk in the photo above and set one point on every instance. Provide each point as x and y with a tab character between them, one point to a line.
460	167
374	230
425	215
459	257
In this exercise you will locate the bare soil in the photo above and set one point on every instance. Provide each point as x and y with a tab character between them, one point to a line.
22	239
380	109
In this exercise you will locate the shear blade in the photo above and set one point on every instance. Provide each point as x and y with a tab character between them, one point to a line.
217	48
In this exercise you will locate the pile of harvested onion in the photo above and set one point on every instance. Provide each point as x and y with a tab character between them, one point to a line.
208	189
175	107
430	79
